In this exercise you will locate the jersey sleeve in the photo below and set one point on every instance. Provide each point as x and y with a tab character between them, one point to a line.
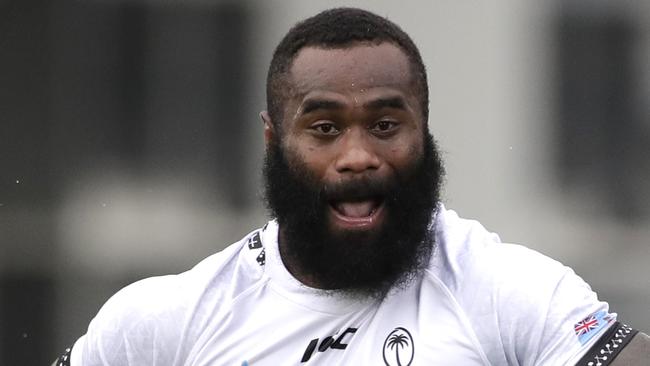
544	313
575	319
131	329
524	308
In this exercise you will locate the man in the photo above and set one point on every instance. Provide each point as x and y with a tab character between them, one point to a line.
362	265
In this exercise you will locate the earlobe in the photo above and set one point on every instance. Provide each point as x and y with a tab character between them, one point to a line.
269	129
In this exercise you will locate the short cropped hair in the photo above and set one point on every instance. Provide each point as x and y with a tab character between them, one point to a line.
339	28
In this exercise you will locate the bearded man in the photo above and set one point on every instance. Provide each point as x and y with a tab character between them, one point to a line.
361	265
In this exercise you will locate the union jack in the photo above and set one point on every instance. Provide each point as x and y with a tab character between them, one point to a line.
586	325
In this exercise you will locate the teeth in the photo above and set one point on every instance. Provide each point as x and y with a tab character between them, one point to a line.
356	209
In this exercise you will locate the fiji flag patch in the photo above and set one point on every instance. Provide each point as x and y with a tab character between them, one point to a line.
591	325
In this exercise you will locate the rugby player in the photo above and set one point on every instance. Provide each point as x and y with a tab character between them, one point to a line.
361	263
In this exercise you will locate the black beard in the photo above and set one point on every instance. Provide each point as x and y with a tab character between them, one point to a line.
355	263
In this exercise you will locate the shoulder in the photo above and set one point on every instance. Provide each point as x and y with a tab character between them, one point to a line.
468	257
527	303
161	314
220	276
486	276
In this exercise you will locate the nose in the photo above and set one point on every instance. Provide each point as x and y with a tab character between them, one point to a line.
356	154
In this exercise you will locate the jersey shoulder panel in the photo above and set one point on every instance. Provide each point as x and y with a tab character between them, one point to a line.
154	313
457	243
524	304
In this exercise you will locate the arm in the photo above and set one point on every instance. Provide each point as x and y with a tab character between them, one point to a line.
619	346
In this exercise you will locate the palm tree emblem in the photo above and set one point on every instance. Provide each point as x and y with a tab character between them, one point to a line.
399	340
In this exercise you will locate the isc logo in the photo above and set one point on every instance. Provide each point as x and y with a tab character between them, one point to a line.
327	343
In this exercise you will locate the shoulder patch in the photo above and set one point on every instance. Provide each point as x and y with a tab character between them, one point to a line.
255	242
261	258
588	327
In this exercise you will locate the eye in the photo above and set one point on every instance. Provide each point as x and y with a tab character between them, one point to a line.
326	128
384	126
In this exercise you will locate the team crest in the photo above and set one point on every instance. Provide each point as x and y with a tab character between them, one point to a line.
399	349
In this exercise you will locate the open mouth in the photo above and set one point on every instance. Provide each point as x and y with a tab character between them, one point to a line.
358	213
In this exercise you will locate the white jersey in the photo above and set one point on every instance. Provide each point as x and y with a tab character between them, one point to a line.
480	302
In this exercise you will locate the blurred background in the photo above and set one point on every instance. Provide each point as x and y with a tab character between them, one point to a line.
130	142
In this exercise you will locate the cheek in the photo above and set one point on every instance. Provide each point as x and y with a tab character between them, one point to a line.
404	153
317	160
311	157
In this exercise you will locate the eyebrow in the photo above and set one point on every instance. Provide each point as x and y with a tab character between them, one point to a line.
392	102
311	105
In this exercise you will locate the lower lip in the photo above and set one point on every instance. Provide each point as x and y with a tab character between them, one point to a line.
357	223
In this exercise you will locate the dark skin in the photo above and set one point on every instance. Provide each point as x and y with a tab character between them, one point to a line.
352	113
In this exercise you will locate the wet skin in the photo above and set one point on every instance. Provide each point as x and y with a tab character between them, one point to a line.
352	114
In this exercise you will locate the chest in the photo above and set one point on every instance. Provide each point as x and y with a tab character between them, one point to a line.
420	327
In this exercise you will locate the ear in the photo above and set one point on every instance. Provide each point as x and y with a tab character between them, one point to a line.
269	129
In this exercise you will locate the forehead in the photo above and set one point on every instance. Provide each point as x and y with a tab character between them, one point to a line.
357	67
